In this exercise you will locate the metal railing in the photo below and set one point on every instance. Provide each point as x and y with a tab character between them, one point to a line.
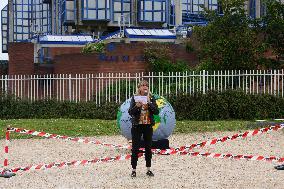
116	87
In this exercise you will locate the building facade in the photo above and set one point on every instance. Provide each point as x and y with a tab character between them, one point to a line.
24	19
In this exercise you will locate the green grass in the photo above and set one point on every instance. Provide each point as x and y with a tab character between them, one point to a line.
68	127
90	127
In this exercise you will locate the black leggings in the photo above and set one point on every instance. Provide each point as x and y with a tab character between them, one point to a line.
137	132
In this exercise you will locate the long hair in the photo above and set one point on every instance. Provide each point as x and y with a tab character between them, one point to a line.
142	82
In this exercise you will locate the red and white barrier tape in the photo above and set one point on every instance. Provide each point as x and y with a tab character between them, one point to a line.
55	136
72	163
128	156
156	151
231	156
6	149
219	140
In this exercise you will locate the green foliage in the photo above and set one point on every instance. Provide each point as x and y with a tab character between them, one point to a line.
274	27
227	105
228	43
155	50
158	55
94	47
12	108
189	47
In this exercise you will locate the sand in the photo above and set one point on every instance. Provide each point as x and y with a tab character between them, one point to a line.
171	171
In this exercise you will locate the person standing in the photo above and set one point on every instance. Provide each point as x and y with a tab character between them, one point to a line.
142	118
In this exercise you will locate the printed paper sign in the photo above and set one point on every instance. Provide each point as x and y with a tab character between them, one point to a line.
142	99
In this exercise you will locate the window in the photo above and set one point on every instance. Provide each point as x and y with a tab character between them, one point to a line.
121	10
96	9
212	5
4	26
30	16
152	10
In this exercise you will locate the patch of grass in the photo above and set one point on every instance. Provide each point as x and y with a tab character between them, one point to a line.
68	127
210	126
96	127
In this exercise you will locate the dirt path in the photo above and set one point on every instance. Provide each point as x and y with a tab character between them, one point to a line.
174	171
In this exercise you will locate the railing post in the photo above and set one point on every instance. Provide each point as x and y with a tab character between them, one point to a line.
70	85
204	80
275	84
6	84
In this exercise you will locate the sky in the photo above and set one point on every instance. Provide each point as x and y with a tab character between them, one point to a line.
4	56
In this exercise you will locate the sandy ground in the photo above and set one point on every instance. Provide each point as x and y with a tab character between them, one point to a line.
172	171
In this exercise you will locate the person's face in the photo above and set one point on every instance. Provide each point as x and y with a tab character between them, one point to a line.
144	88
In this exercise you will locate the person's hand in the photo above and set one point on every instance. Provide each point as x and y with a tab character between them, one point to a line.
139	104
148	99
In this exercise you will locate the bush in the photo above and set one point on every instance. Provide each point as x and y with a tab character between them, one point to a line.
13	108
227	105
211	106
98	47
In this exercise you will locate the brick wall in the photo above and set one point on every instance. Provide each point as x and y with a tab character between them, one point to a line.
54	51
119	57
21	58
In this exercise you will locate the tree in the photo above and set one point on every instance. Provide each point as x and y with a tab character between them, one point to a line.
274	28
228	41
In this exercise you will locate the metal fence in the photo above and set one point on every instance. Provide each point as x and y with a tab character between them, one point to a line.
116	87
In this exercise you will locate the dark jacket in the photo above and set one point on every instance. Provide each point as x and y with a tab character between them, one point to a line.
135	112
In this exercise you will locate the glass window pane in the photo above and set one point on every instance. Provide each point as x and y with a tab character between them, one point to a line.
148	15
117	6
19	14
101	14
195	8
157	16
101	4
148	5
19	29
91	4
92	14
19	8
19	22
26	36
25	29
19	37
157	6
25	8
115	16
25	15
126	7
25	22
69	5
70	15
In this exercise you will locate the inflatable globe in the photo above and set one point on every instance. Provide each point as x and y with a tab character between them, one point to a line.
165	122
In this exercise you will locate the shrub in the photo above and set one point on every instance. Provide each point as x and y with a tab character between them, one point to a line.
98	47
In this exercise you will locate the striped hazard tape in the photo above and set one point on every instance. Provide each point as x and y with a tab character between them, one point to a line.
128	156
231	156
156	151
55	136
220	140
72	163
